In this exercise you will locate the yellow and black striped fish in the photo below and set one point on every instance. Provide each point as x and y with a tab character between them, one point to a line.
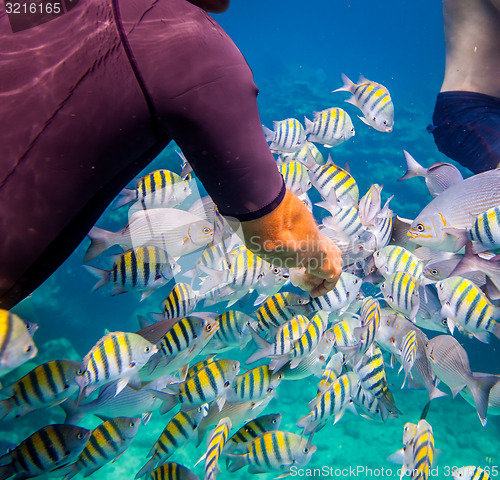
161	188
331	403
470	472
400	291
199	365
372	377
117	356
143	268
45	450
255	384
485	233
46	385
335	185
295	176
373	100
419	452
280	308
332	371
288	135
216	443
208	384
251	430
466	306
394	258
234	331
331	127
408	353
172	471
16	342
181	301
179	431
273	451
107	442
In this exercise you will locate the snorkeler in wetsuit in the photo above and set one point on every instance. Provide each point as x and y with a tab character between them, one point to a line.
466	121
93	94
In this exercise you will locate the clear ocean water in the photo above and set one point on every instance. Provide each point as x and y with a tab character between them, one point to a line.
297	51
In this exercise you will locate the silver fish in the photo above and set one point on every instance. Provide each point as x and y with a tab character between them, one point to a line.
450	363
438	177
176	231
455	208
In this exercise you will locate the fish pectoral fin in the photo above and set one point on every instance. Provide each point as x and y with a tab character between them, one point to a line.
221	401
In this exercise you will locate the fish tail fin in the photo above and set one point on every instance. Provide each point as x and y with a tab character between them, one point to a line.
436	393
348	86
414	169
104	276
146	470
100	240
73	416
268	133
216	278
263	347
480	392
125	196
169	401
234	462
69	471
309	125
306	423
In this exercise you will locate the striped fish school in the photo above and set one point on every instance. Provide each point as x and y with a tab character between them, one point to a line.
181	301
278	309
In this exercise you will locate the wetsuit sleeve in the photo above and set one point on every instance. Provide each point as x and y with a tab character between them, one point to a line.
205	98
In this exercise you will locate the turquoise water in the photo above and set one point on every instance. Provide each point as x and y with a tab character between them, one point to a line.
297	52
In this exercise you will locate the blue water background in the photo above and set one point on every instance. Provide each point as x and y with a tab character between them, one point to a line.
297	52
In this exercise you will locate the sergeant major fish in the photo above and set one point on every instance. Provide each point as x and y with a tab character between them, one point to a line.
288	136
373	100
330	127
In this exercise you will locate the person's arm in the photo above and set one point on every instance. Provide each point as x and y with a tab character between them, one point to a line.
289	237
212	6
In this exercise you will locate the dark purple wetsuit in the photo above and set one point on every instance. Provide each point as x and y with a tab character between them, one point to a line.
88	99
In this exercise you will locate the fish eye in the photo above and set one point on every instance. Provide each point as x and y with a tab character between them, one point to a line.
420	227
79	436
434	271
374	119
306	450
385	122
227	384
275	421
444	321
132	424
147	349
208	328
276	270
269	390
29	348
206	230
79	372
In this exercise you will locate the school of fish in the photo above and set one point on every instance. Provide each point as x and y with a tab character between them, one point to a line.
397	301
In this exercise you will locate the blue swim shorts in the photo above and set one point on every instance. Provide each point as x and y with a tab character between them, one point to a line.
466	128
